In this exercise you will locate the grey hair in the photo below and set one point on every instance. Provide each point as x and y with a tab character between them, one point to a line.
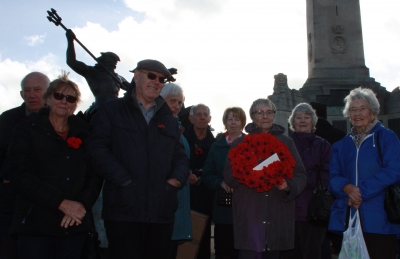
194	107
260	102
45	79
361	94
172	89
307	109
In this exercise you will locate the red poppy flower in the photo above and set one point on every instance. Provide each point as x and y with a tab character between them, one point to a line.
74	142
198	151
161	126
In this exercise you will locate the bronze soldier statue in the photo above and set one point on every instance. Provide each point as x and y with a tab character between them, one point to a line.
103	86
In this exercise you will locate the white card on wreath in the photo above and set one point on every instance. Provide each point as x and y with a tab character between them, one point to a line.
267	162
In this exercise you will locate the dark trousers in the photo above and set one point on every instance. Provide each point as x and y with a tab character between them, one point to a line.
205	243
8	244
138	240
248	254
308	242
173	249
381	246
223	240
47	247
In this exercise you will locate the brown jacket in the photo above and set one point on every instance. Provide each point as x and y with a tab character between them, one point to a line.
265	219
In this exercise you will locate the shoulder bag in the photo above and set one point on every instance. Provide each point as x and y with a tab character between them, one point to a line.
392	193
319	207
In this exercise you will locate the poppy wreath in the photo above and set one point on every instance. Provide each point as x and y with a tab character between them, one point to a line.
255	149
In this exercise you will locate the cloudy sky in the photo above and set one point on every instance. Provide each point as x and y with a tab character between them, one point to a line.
226	51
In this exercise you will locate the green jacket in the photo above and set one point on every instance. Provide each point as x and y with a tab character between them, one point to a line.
212	178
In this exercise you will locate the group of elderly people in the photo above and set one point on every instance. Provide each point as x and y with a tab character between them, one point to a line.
57	166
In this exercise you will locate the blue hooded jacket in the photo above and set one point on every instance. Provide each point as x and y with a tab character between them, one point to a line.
362	167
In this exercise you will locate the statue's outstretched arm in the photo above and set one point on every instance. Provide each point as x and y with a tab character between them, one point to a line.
126	85
78	66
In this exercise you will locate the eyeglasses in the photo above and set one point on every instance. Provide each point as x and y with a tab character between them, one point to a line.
153	76
68	98
261	113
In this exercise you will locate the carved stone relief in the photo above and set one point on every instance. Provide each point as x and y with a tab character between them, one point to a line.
338	42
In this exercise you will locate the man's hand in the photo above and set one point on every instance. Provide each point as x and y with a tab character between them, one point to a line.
73	209
174	182
193	179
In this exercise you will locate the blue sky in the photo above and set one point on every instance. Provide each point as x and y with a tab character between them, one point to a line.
226	51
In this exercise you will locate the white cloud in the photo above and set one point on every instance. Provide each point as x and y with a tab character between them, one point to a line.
35	39
226	51
13	72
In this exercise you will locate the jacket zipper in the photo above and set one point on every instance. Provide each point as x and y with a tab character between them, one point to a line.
358	149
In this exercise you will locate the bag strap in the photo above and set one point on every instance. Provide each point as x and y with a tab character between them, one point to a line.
318	182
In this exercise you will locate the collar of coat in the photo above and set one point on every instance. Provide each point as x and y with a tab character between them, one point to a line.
77	127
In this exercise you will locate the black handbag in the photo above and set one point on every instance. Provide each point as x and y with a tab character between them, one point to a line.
319	207
224	198
392	194
392	203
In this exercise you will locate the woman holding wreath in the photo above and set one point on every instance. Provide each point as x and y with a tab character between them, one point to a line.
362	165
263	207
55	189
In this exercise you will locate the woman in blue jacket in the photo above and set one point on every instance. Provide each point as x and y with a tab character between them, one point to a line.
359	175
173	96
234	119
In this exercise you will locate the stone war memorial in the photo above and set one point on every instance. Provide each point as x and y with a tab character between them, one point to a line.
336	65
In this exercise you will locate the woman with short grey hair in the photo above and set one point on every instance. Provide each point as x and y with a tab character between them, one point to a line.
263	220
172	89
261	102
361	94
315	153
173	95
363	164
306	109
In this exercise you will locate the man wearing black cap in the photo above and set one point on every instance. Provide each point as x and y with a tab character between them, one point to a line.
135	146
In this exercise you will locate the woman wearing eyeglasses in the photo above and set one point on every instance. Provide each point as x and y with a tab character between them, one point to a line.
55	190
263	221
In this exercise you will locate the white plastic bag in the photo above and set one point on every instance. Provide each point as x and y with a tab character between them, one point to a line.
353	245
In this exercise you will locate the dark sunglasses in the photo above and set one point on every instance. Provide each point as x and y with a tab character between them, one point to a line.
153	76
68	98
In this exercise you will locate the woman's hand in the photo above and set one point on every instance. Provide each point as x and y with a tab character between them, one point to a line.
354	194
73	209
193	179
226	187
67	221
284	187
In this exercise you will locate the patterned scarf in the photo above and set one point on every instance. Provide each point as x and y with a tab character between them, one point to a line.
358	136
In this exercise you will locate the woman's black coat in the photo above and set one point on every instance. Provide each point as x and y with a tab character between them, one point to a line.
44	171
